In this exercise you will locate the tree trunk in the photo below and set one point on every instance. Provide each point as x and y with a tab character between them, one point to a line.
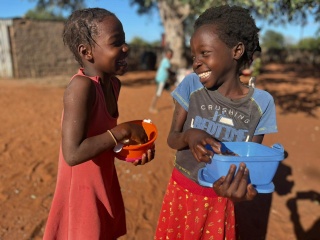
173	14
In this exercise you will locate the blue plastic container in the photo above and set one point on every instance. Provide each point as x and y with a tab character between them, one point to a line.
262	162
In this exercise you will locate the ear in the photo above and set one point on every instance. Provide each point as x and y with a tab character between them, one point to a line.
238	50
85	52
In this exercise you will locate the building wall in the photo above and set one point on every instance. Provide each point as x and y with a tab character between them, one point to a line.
38	50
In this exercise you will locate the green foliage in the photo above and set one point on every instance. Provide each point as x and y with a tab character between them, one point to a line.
43	14
276	41
273	40
62	4
51	9
155	43
276	11
273	11
144	6
309	44
138	41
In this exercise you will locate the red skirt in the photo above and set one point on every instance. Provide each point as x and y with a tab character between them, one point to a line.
190	211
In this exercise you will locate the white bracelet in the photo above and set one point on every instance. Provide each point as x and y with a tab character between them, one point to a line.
114	139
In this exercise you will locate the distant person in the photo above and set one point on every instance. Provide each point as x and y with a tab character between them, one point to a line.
87	202
162	77
211	106
255	68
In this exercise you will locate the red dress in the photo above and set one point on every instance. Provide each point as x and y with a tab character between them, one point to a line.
87	203
192	212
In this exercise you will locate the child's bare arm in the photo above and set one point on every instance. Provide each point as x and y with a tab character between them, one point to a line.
258	138
195	139
78	99
175	139
76	146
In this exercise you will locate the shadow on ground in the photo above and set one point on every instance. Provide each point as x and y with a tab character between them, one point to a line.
292	100
313	232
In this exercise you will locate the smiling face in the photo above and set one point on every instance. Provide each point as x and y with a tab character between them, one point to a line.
213	61
110	51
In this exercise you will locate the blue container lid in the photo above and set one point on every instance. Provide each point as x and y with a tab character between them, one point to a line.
250	151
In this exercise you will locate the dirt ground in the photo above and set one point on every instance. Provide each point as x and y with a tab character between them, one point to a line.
30	136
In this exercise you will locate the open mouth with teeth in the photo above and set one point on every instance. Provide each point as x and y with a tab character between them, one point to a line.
204	75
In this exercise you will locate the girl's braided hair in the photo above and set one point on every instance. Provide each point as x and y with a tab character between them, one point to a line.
81	28
234	24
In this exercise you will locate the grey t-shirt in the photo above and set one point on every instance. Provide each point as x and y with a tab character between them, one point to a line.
225	119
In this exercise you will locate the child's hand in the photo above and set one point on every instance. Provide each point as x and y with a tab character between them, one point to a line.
235	186
130	132
146	157
197	140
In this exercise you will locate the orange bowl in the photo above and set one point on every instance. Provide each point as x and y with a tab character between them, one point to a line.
131	153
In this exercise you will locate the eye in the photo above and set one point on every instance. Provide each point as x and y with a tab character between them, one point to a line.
205	53
119	43
118	40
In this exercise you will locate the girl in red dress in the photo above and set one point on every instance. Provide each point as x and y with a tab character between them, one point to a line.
87	203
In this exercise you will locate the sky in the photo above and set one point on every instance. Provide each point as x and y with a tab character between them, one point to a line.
149	26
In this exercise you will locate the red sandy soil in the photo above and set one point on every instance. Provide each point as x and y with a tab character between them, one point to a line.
30	136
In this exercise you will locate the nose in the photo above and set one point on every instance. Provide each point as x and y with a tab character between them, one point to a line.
196	63
125	47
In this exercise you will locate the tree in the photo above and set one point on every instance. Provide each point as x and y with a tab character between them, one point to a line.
71	5
43	14
178	15
138	41
273	40
311	44
52	9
